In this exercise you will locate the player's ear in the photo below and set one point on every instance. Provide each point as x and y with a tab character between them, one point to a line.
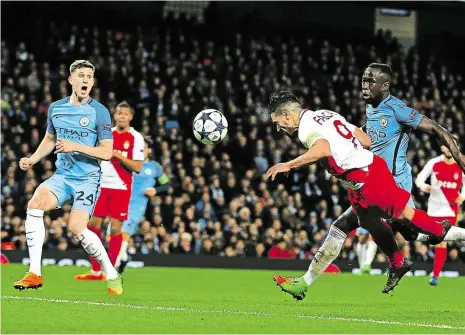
70	80
386	86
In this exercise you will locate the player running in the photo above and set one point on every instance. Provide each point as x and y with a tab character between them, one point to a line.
117	175
142	188
445	197
79	128
372	190
389	122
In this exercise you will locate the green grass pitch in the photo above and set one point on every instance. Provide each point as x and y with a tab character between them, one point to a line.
175	300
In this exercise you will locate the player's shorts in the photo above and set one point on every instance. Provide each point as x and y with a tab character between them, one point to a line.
113	203
380	191
452	219
136	213
405	182
82	193
362	231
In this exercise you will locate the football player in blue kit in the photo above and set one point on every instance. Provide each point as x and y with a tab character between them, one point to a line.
143	187
79	129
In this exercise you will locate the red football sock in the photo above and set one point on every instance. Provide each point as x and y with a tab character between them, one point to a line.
440	257
95	264
426	223
114	247
397	261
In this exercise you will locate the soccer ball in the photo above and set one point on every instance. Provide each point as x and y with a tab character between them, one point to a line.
210	126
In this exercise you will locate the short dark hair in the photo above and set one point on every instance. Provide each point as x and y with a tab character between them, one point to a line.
79	64
384	68
279	99
125	104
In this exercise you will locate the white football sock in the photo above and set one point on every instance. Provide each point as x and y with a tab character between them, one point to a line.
370	252
35	236
94	247
360	252
454	234
327	253
123	253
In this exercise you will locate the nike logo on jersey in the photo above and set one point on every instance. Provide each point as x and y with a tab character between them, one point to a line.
123	214
56	116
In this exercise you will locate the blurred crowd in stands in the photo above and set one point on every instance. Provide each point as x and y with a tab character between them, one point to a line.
218	202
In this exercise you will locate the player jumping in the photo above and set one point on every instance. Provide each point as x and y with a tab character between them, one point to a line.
79	128
117	175
445	197
389	122
372	190
142	188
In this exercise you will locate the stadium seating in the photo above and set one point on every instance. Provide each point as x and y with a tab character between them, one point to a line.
218	202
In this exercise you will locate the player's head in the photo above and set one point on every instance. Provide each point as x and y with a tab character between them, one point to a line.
123	115
148	147
446	151
376	82
284	108
81	78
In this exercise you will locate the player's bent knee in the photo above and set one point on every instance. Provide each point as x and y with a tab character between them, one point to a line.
96	222
345	223
78	221
43	199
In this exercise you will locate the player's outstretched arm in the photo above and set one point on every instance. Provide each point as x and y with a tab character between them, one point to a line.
363	138
423	175
44	149
130	164
103	151
444	137
319	150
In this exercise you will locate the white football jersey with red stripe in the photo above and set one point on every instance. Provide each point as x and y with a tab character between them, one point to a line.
131	145
447	184
347	152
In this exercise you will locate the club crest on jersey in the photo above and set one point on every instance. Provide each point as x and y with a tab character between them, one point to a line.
383	122
84	121
126	145
456	176
148	171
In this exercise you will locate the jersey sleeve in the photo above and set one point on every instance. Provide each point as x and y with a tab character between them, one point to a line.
50	126
407	116
138	149
103	124
309	132
162	178
420	181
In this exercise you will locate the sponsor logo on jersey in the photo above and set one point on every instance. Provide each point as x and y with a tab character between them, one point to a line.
84	121
70	134
383	122
126	145
447	184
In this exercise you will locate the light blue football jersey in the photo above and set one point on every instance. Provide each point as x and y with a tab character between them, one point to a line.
85	124
389	126
147	178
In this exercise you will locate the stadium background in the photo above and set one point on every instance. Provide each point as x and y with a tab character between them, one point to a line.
171	60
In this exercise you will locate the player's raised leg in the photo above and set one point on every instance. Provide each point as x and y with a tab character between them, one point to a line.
42	200
93	245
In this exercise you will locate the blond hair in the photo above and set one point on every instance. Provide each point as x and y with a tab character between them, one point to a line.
79	64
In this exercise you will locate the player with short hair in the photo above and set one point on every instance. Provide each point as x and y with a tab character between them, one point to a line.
373	193
142	188
117	179
389	122
447	192
79	128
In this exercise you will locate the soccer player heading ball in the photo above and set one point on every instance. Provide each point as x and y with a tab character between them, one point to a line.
342	149
79	129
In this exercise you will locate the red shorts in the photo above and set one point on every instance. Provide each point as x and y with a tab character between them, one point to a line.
113	203
380	191
452	219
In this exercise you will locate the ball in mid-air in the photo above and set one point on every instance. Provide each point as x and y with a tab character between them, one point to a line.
210	126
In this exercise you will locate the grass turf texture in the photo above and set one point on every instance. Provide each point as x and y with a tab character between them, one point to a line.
174	300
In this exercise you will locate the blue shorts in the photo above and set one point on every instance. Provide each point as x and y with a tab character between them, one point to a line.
362	231
136	213
404	181
82	193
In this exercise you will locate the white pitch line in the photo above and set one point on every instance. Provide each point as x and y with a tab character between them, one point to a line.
209	311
